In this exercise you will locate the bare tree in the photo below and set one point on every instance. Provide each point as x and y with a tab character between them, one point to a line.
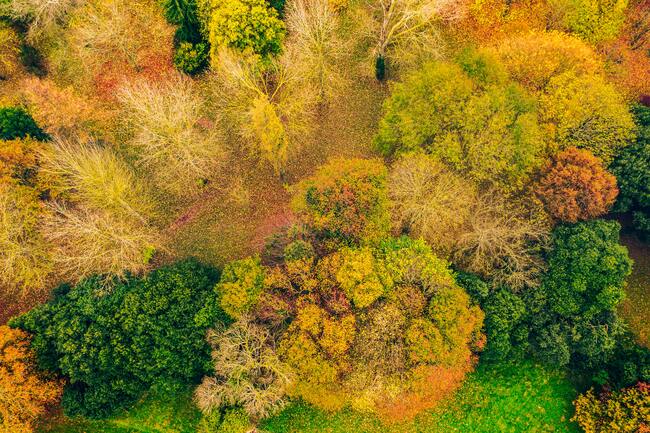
270	105
247	371
42	15
88	241
96	176
170	133
430	201
314	46
403	26
503	242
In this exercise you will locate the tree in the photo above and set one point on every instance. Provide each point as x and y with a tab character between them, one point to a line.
103	47
270	104
314	45
586	269
111	340
533	59
593	20
632	170
247	372
487	132
403	25
575	186
25	257
345	201
505	327
87	241
502	242
430	201
43	16
9	52
170	134
95	176
17	123
25	394
246	25
586	112
572	314
616	412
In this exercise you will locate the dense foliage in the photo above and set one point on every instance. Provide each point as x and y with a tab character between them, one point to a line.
627	410
481	127
25	393
575	186
15	122
111	340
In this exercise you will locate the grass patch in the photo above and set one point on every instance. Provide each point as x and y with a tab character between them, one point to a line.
634	309
495	399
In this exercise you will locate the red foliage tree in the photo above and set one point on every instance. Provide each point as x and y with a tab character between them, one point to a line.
574	186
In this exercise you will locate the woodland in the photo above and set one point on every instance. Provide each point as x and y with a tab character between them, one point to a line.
324	216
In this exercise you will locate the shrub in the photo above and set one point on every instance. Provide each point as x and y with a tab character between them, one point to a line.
430	201
624	411
586	112
575	186
25	394
246	25
240	286
345	201
112	339
247	372
191	58
489	135
17	123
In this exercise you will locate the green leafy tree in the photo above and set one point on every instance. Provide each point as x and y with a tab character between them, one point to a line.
593	20
485	131
191	58
17	123
586	112
632	171
246	25
505	326
572	315
240	286
112	340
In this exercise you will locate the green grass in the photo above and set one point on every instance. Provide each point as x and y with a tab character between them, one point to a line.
637	304
494	399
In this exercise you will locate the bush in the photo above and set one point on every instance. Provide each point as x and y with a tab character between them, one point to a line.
111	340
488	134
624	411
345	201
246	25
191	58
17	123
240	286
575	186
25	394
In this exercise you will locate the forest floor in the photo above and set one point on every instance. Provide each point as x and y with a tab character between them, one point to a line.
514	398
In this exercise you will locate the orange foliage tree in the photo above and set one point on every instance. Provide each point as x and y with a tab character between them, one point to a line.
574	186
24	394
